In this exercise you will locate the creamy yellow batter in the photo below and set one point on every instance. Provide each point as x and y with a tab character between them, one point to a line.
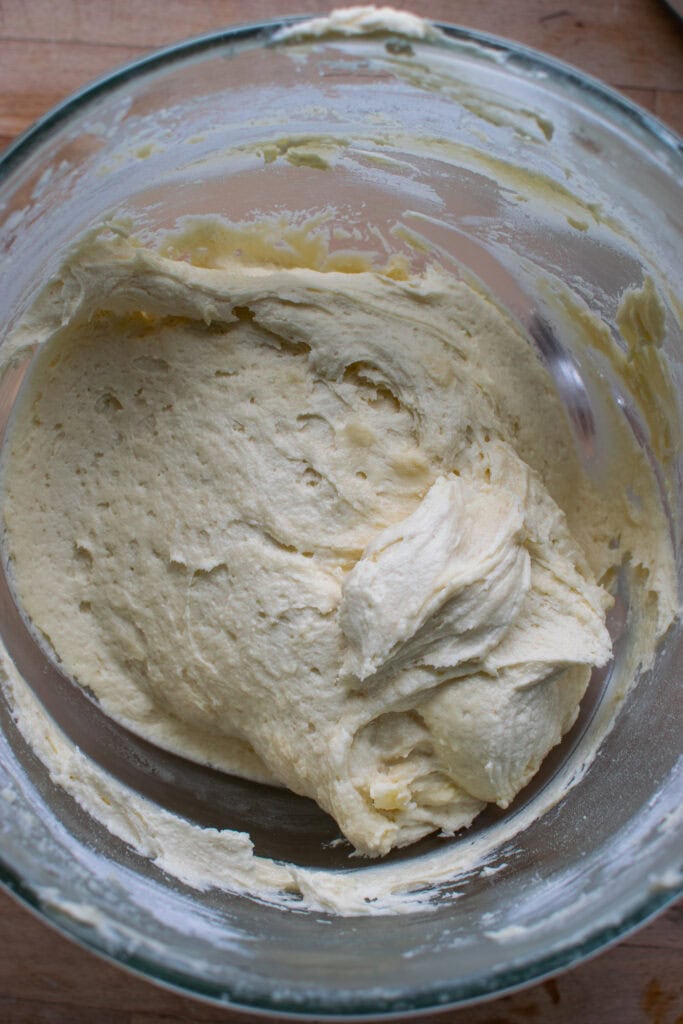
322	528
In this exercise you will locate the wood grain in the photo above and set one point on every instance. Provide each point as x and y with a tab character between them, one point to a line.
50	48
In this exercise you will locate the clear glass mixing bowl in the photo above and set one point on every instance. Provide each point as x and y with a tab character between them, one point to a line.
424	145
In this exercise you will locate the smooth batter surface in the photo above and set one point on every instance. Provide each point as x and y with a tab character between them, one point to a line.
327	529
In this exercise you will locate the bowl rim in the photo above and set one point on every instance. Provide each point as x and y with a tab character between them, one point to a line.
432	999
436	997
265	30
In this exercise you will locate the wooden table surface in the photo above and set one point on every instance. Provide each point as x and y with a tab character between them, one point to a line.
48	49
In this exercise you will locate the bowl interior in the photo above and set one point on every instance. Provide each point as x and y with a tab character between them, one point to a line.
506	167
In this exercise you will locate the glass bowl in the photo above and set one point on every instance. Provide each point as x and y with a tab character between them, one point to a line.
511	167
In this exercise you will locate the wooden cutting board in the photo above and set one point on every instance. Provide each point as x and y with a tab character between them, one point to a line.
48	49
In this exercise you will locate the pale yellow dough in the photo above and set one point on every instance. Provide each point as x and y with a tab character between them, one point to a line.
325	529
